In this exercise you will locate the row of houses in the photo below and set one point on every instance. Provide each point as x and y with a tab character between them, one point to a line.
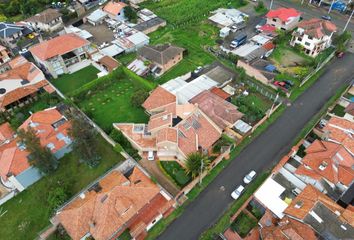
312	186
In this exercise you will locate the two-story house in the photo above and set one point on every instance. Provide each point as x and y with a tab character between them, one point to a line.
60	54
20	82
51	127
283	18
313	35
162	57
11	34
48	21
115	10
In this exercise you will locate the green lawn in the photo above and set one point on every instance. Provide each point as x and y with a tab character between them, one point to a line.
243	224
254	106
69	82
112	105
28	213
176	172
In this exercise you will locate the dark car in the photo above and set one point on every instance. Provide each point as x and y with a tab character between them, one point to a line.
289	82
326	17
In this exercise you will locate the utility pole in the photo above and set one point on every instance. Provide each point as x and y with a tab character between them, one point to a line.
271	109
271	5
350	17
330	8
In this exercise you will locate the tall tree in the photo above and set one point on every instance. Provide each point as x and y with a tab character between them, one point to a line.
40	157
84	139
195	163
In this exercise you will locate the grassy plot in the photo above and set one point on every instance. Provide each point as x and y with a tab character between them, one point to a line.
176	172
69	82
243	224
28	212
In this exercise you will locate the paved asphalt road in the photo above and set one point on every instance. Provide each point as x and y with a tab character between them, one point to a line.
262	153
310	11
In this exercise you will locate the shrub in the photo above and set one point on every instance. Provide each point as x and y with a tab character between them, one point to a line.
118	137
57	197
138	97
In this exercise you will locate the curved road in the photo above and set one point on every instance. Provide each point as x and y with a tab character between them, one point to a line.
266	150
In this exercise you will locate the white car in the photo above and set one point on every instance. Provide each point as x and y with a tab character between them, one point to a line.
249	177
237	193
151	156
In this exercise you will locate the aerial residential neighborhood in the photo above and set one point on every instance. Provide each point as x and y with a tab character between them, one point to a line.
176	119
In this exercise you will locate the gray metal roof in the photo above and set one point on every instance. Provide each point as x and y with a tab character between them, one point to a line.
9	29
29	176
160	54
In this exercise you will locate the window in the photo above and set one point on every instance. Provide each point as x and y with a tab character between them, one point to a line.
299	39
310	38
307	44
274	19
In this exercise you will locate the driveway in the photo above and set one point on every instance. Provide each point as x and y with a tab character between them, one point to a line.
263	153
155	171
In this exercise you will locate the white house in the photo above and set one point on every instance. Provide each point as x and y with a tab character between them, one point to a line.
313	35
61	54
48	21
115	10
283	18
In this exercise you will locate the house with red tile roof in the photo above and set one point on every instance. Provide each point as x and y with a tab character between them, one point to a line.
283	18
322	214
51	128
60	54
327	164
314	35
115	10
158	100
341	131
20	82
118	202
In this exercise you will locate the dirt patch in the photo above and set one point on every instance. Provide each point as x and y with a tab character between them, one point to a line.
101	33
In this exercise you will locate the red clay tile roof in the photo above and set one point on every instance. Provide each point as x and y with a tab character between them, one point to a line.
42	122
307	200
114	7
221	93
12	159
58	46
158	99
19	93
288	229
268	46
317	28
221	112
109	62
160	120
6	132
267	28
283	13
341	130
137	137
120	201
167	134
337	162
196	131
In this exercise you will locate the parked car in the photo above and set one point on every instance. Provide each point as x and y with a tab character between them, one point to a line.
289	82
237	192
326	17
249	177
261	23
239	40
280	84
198	69
151	156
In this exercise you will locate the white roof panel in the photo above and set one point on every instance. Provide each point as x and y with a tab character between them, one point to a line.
138	38
112	50
269	195
96	15
246	49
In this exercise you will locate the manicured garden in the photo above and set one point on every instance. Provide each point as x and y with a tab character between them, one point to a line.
33	202
175	172
69	82
108	100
